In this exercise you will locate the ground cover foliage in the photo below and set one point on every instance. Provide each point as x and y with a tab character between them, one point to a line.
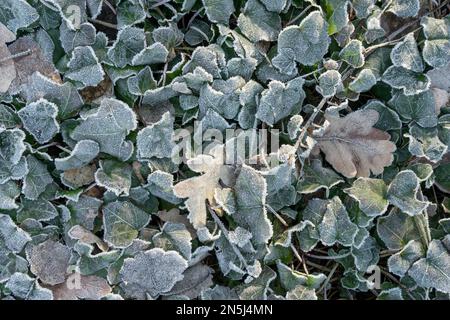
93	204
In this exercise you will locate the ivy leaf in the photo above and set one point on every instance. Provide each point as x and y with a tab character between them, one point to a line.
13	237
9	191
434	270
301	292
49	261
257	288
402	193
12	145
397	229
250	193
39	210
24	287
114	176
309	41
405	54
337	15
196	279
363	7
142	82
336	225
17	14
257	23
156	139
37	178
129	13
174	236
316	177
400	262
352	53
363	82
330	82
122	222
83	153
8	117
279	100
352	135
130	41
371	195
160	184
153	272
109	126
39	118
84	67
154	54
81	37
219	11
419	108
424	142
404	8
65	95
437	43
389	119
275	5
411	82
442	174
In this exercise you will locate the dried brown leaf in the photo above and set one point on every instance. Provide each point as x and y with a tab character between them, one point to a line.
79	287
354	147
7	69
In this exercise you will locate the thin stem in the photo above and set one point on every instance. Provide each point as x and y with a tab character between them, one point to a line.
308	123
328	257
226	235
110	6
327	280
17	55
103	23
311	73
299	15
280	218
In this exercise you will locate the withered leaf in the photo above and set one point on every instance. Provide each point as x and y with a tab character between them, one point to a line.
78	286
354	147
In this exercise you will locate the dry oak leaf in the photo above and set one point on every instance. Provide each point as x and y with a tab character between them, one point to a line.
7	68
354	147
201	188
78	287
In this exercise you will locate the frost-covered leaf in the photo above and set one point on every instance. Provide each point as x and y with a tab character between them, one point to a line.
437	43
279	100
130	12
65	96
434	270
371	195
354	147
336	225
84	211
109	126
404	8
13	237
7	67
316	177
155	140
363	82
39	118
84	67
201	188
122	222
83	153
130	41
49	261
81	37
442	174
17	14
250	193
160	184
308	42
196	279
142	82
402	193
275	5
411	82
39	210
80	287
419	108
37	178
397	229
11	146
400	262
301	292
174	236
219	11
424	142
388	120
363	7
405	54
330	82
257	23
290	278
24	287
154	54
114	176
8	117
352	53
9	191
152	272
